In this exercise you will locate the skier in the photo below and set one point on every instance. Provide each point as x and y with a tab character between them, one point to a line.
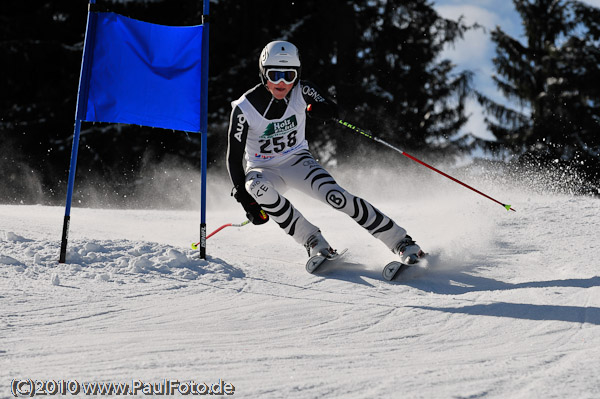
267	129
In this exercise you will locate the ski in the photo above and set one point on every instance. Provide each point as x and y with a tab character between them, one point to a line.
314	262
394	269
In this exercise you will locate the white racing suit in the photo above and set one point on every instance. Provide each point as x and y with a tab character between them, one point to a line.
270	134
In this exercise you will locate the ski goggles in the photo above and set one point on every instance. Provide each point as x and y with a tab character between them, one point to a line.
288	76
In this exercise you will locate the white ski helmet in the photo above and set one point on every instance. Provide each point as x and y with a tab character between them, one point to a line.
279	54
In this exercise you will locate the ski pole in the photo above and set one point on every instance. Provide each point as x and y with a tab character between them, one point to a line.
369	135
195	245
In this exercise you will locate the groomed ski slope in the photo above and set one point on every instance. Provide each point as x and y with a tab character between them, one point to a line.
509	307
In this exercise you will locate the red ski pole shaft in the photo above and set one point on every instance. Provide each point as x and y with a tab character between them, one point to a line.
217	230
195	245
508	207
369	135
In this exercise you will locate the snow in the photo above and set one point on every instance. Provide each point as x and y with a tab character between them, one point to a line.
508	307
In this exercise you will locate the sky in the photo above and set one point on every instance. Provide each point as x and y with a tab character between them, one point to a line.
476	51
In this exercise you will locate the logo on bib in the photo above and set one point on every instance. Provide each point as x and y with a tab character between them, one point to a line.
276	129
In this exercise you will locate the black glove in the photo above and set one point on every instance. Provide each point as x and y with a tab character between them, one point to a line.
254	212
322	111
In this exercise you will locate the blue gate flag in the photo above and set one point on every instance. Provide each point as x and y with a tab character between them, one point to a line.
141	73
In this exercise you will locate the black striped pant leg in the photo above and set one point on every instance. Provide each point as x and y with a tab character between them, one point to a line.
374	221
279	208
311	178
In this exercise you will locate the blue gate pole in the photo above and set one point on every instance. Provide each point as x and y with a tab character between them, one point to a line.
81	100
71	184
204	127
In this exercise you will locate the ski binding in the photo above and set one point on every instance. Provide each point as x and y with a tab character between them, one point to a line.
314	262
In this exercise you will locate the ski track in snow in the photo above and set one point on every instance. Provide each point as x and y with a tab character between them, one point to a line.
508	306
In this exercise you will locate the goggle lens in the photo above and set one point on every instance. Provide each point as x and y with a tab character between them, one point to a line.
277	75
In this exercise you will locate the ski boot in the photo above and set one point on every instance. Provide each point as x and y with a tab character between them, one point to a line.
317	245
409	250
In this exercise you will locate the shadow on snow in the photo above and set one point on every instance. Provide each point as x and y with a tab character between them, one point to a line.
457	283
574	314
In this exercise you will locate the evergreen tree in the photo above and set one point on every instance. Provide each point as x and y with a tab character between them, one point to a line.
549	76
41	50
378	59
419	98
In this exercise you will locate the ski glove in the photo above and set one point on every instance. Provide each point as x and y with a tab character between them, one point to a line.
254	212
322	111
